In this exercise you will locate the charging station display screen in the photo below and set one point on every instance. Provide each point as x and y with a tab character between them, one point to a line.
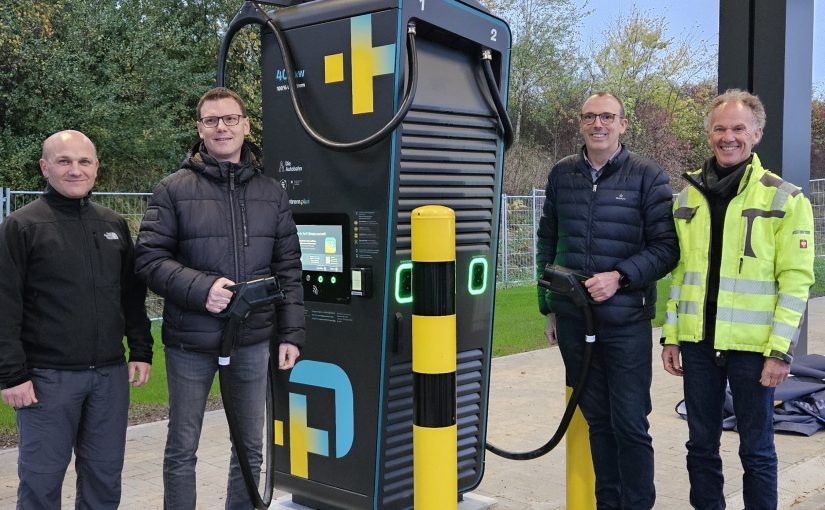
325	259
322	248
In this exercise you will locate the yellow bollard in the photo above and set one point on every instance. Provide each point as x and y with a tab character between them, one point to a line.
435	459
581	479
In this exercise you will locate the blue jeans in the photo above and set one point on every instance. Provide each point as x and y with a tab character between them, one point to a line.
615	403
84	410
704	386
189	378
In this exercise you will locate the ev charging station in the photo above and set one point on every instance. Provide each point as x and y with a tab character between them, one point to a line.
343	416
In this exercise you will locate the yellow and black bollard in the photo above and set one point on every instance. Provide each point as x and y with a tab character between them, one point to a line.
435	463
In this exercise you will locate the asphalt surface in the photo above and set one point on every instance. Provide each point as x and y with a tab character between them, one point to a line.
527	399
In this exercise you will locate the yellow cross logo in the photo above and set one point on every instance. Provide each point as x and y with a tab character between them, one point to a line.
367	62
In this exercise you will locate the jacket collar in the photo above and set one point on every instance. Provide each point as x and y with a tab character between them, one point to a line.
59	201
614	162
200	161
753	172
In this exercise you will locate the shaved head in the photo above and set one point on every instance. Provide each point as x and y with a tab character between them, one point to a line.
63	137
69	163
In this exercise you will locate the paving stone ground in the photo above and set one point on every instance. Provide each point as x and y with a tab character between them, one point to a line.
527	397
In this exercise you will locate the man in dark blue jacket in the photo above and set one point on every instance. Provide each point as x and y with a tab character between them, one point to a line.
68	295
607	214
217	221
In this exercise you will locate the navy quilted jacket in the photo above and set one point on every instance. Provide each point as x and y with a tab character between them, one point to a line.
209	220
623	222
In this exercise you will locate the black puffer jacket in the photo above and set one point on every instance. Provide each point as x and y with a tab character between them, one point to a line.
210	220
621	222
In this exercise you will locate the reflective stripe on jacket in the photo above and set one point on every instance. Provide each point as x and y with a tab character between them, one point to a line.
766	268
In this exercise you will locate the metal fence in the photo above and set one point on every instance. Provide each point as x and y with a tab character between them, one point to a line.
130	205
817	196
517	240
520	219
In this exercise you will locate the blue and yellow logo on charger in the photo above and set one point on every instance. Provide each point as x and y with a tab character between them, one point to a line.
304	439
367	62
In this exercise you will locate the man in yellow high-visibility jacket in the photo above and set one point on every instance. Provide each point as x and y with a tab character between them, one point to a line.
737	299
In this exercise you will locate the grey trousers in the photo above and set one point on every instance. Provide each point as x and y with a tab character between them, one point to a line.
85	411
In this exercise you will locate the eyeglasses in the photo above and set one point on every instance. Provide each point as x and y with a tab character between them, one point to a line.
228	120
606	117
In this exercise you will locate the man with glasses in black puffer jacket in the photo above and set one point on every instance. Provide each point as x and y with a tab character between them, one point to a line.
215	222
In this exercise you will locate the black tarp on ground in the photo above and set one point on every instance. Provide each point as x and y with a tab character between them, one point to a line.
800	399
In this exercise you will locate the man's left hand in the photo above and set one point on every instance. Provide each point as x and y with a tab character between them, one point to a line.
602	286
287	354
139	372
774	372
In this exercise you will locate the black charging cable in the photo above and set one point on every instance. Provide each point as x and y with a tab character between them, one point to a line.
501	110
567	283
247	297
252	12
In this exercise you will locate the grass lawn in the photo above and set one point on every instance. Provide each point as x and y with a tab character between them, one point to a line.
151	395
818	288
518	327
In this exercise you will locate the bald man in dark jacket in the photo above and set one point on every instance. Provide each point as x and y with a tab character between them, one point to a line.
68	296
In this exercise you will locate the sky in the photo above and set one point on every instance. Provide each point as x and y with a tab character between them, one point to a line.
700	18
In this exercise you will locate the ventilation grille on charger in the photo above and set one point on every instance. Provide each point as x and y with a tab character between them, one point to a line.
449	159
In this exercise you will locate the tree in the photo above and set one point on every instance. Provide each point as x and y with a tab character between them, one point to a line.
544	55
660	82
526	167
22	22
127	73
818	139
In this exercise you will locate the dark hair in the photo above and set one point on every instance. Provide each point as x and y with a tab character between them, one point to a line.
219	93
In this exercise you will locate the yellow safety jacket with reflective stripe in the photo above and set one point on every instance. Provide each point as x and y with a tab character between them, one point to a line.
766	269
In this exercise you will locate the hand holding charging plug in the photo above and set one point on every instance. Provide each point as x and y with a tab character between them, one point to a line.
219	295
602	286
245	297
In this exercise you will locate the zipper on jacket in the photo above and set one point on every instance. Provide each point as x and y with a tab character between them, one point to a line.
586	264
98	253
243	218
237	274
692	182
93	361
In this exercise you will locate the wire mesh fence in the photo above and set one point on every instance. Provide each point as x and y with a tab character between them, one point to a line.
129	205
520	220
817	197
517	240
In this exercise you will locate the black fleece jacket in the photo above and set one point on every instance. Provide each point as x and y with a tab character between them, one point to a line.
68	292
